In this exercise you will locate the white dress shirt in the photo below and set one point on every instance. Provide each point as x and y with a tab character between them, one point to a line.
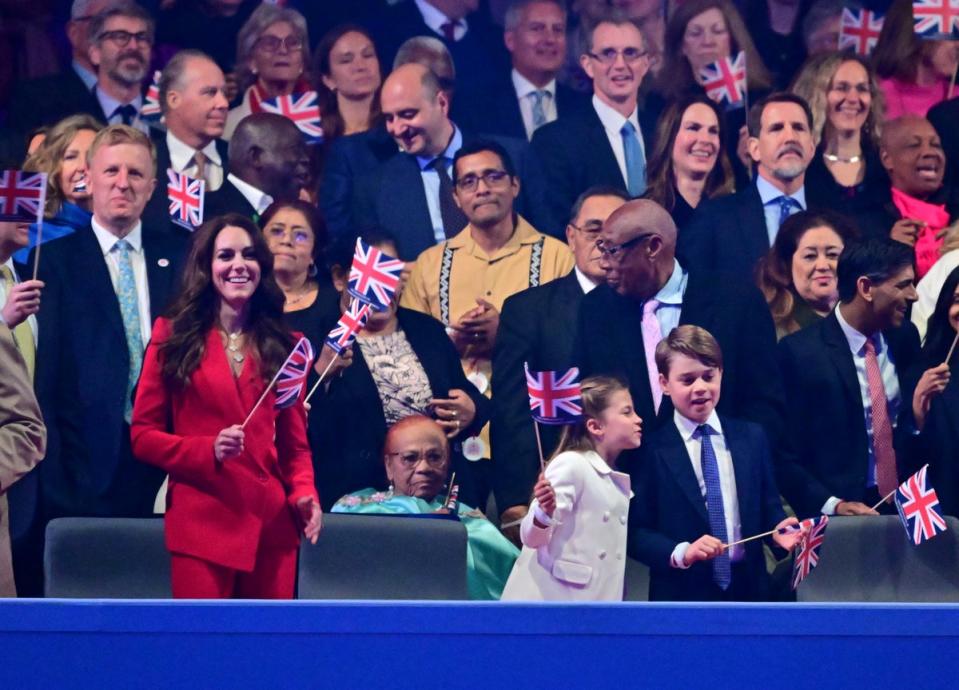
182	161
613	124
435	20
524	93
727	481
431	182
110	104
585	282
107	240
32	320
768	193
258	199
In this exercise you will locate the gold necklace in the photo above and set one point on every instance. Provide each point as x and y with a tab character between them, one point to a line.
307	288
234	343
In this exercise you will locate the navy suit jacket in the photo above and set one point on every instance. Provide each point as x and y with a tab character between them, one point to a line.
81	378
826	450
501	115
227	199
668	508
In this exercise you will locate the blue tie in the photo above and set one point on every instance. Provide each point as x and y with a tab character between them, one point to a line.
786	206
539	114
722	571
635	160
130	311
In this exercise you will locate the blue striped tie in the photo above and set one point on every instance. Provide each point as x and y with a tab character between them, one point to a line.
130	311
635	160
722	570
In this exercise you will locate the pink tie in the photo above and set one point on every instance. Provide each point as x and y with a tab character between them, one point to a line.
882	449
652	334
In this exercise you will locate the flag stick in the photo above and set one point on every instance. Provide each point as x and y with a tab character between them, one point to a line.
749	168
784	530
262	397
539	445
450	492
36	254
320	380
884	499
952	82
951	349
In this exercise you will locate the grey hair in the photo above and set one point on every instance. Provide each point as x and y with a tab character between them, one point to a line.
122	8
172	75
431	53
265	16
516	8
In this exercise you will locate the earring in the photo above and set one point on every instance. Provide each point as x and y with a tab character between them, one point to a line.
312	270
389	491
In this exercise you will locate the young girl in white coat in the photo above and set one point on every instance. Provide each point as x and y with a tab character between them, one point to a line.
574	535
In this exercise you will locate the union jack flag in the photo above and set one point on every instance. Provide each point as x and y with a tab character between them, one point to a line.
452	503
186	199
302	110
150	111
554	397
808	556
293	373
936	18
859	30
919	508
374	276
350	323
725	80
22	195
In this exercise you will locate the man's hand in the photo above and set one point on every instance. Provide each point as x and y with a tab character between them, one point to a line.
22	301
906	230
854	508
703	549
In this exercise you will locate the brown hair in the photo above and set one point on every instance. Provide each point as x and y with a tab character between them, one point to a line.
49	157
333	125
692	341
899	50
596	394
114	135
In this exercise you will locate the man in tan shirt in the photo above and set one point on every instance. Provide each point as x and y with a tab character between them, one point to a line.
464	281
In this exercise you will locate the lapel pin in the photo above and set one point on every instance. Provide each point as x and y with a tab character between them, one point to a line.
163	263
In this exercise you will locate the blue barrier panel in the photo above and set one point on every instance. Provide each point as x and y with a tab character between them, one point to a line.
133	644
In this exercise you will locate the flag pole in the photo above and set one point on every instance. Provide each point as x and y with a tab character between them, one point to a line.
450	492
539	445
784	530
36	254
951	349
885	498
262	397
320	380
952	82
749	168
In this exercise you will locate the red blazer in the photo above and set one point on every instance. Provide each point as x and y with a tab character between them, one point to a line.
222	512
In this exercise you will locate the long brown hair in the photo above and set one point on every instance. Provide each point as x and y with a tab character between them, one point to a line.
662	186
898	51
333	125
597	392
194	312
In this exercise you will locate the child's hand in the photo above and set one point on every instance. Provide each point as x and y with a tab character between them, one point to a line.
703	549
791	538
544	495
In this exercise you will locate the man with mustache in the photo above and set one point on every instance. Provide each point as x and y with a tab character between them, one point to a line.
121	49
730	234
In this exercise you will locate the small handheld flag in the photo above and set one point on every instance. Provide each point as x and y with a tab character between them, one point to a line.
186	196
374	276
725	80
919	509
150	112
554	397
302	110
350	323
808	556
859	30
22	195
452	502
936	19
293	373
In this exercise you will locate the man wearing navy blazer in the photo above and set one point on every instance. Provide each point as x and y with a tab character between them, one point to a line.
837	447
731	233
410	195
608	143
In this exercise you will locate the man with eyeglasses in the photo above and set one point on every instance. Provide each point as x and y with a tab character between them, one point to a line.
605	144
538	326
647	294
121	50
464	281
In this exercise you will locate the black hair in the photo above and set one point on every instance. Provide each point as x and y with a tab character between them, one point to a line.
939	332
878	259
754	120
479	146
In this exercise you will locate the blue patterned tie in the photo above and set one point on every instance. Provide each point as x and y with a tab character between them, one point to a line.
786	206
722	571
635	160
539	114
130	310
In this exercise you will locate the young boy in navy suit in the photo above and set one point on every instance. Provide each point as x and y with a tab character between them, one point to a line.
701	484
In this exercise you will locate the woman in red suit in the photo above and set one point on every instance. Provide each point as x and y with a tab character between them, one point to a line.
238	497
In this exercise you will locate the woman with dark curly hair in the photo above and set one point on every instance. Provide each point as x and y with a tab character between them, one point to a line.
240	493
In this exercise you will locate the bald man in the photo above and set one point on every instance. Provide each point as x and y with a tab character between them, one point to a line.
411	194
647	294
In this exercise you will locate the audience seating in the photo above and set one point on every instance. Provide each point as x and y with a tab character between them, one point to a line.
871	559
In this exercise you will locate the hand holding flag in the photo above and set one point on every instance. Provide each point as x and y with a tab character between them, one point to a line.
341	338
290	380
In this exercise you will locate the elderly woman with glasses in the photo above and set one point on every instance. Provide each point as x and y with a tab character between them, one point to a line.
272	55
416	460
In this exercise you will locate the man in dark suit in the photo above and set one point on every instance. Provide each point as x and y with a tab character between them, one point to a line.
839	457
647	294
411	194
538	327
731	233
608	143
268	162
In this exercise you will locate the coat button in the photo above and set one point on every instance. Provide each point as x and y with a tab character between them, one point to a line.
622	519
602	555
606	516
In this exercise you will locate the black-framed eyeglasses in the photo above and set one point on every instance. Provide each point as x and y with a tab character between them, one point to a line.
411	458
592	229
616	252
271	44
494	179
122	38
630	55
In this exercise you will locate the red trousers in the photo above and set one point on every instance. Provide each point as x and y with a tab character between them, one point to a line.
273	577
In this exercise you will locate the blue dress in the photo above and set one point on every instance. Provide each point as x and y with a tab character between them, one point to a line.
69	218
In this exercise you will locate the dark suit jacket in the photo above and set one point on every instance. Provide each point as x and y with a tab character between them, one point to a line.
943	117
726	234
668	508
227	199
347	426
576	155
47	100
825	451
393	197
610	339
537	326
81	379
501	115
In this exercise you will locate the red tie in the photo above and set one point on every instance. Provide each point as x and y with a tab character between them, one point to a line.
449	31
882	449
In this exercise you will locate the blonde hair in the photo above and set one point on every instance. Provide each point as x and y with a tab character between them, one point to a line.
597	391
48	158
114	135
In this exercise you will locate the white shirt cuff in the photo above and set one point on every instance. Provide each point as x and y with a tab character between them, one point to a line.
829	507
541	517
678	559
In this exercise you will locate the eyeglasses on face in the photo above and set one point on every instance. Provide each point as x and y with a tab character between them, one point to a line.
608	56
122	38
494	179
411	458
592	229
616	252
271	44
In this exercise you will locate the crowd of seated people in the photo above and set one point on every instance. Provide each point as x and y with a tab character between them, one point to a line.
565	191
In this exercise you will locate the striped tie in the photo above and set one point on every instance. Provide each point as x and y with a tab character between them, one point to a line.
130	311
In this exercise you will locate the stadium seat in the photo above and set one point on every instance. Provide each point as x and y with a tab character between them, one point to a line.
106	558
871	559
384	557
